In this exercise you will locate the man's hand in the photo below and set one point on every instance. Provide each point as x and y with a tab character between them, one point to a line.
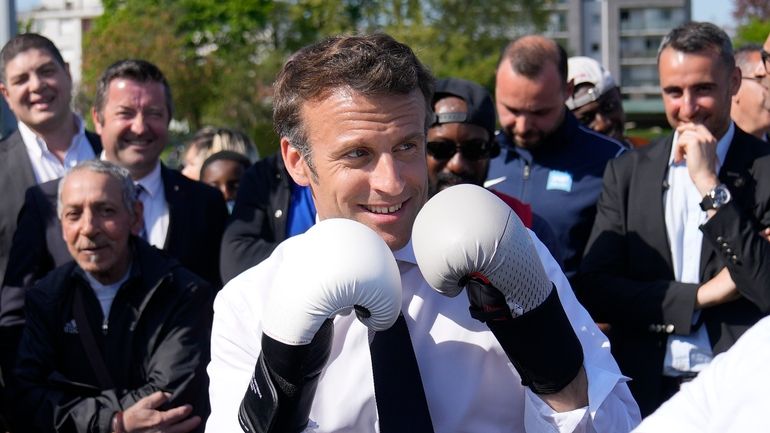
696	145
765	234
717	290
144	417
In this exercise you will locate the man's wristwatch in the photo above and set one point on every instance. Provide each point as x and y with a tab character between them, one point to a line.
716	198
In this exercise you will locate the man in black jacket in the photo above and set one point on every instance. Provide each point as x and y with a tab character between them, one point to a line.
120	331
674	262
270	208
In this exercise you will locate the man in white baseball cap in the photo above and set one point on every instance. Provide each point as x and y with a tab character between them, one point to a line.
596	100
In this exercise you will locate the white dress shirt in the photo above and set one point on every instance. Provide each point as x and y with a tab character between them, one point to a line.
681	202
155	207
728	396
45	164
470	384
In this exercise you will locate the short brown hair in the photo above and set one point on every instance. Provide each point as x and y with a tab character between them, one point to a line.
25	42
373	64
528	55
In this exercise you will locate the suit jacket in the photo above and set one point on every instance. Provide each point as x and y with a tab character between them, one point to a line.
628	278
197	217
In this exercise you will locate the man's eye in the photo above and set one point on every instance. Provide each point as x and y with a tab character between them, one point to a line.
406	146
356	153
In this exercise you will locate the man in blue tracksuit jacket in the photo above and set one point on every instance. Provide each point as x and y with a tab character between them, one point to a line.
548	159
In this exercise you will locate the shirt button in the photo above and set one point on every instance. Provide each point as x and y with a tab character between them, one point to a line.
669	328
720	239
278	213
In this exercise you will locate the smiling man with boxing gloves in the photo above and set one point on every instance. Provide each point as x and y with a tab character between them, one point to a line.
352	113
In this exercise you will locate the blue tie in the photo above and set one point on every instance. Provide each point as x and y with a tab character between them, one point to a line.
139	189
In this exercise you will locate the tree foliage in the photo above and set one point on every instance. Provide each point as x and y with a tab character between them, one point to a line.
220	56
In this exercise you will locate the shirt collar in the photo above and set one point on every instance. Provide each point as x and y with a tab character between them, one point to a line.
406	254
36	146
152	183
723	146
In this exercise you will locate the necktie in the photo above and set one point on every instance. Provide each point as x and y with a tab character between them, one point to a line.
398	390
139	190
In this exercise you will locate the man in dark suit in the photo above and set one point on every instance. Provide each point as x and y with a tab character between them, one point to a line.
183	217
674	262
37	86
36	83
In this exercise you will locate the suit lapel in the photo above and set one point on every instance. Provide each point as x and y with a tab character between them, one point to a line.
18	153
653	169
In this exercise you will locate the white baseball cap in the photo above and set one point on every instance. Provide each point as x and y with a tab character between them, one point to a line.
582	70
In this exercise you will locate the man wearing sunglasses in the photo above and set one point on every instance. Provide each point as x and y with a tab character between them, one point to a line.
596	100
750	108
548	158
461	142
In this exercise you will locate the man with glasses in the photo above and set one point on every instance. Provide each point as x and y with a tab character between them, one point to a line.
596	100
548	158
460	143
750	108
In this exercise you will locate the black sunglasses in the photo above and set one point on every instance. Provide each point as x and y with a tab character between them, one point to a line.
472	150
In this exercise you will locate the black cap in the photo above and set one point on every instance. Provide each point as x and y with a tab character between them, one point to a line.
481	109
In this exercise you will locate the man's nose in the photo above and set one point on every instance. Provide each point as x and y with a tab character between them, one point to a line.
688	106
458	163
386	176
88	223
138	125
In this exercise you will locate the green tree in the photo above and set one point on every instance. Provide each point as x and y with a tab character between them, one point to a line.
221	56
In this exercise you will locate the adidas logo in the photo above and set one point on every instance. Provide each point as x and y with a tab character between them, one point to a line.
71	327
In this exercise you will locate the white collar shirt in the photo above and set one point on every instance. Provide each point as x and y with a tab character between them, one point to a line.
45	164
469	382
683	216
728	396
156	212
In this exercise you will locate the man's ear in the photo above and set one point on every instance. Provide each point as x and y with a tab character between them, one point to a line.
569	90
295	163
4	91
97	123
138	221
735	80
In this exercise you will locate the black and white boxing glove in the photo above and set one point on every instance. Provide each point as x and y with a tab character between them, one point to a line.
466	237
337	266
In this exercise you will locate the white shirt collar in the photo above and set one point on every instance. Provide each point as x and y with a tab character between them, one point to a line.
36	146
406	254
723	146
152	183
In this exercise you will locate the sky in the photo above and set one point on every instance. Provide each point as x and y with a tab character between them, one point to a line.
716	11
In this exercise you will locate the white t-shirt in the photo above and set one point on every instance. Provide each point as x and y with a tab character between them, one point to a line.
470	384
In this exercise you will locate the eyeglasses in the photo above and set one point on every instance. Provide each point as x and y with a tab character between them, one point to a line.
472	150
765	59
757	80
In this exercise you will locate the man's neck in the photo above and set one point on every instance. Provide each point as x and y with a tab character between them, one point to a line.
58	137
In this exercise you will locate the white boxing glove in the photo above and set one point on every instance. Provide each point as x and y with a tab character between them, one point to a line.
466	237
466	231
334	266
